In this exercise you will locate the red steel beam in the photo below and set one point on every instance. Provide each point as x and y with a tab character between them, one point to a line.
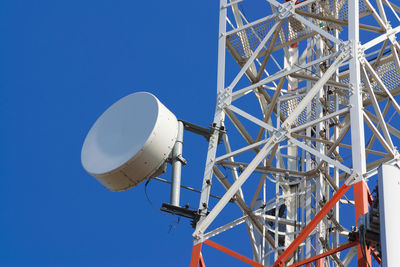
361	206
322	255
378	260
370	197
308	229
196	255
202	263
232	253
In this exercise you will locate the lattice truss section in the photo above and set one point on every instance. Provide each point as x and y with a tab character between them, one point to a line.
386	70
284	121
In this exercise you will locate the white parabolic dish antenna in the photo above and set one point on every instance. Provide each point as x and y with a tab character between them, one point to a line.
129	142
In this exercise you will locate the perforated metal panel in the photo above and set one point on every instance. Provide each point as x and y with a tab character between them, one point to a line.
387	71
308	114
343	9
389	75
247	40
291	30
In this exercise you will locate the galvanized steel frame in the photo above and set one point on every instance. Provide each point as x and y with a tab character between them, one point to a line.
320	67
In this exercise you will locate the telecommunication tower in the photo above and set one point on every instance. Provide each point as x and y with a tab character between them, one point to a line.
304	133
325	75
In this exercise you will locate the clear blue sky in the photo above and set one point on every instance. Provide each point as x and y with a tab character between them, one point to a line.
62	63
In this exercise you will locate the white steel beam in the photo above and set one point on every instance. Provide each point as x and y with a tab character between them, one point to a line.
249	226
382	85
393	8
224	228
248	25
320	155
219	113
240	151
377	109
283	73
253	56
203	225
324	118
317	29
378	135
356	119
356	114
381	21
251	118
381	38
315	89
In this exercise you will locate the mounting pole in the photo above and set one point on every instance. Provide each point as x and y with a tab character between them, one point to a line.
176	163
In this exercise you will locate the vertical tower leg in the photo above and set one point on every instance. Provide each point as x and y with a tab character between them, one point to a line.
219	113
357	123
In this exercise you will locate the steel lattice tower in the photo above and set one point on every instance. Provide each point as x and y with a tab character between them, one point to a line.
304	117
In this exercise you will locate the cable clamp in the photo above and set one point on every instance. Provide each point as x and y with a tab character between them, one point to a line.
354	178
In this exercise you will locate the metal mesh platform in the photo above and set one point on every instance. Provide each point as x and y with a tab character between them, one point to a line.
389	74
308	114
247	40
344	8
387	71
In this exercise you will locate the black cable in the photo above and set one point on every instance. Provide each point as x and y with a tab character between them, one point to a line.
365	252
174	224
363	243
311	70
